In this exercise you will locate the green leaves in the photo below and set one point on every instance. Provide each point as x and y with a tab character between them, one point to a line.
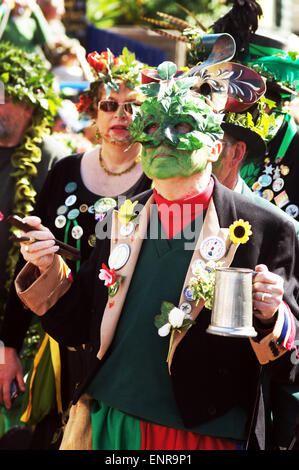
26	78
167	70
161	319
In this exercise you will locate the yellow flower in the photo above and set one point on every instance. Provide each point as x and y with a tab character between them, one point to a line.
240	231
126	212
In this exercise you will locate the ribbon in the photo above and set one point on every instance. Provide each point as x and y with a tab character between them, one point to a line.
56	363
288	136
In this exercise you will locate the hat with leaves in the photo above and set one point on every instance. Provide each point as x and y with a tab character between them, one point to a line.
108	71
256	127
26	79
170	101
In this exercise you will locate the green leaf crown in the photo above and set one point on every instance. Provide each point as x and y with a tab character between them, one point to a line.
26	79
171	101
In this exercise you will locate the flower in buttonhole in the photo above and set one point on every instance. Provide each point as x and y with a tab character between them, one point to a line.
171	320
176	317
107	275
164	330
240	231
203	282
126	212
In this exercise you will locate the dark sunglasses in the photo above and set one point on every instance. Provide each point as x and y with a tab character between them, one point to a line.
110	106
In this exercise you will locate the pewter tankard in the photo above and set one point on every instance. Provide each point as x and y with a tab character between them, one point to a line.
232	305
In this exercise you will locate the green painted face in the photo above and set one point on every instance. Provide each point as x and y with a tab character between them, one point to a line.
177	129
165	161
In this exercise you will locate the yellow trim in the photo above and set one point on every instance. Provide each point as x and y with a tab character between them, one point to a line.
55	356
26	415
56	363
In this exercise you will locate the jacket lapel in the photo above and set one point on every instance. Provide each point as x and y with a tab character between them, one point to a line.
115	304
210	228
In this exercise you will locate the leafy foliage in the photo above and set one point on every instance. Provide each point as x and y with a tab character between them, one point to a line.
168	103
108	13
26	79
266	124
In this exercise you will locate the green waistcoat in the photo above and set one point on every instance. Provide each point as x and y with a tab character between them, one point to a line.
135	378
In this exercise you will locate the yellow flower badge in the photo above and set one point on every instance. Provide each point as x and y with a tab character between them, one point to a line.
126	212
240	231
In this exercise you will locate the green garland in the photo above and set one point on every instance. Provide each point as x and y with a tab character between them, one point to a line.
24	160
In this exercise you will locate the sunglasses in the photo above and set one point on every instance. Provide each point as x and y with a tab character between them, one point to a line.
110	106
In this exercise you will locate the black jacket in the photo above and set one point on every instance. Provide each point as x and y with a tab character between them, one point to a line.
225	373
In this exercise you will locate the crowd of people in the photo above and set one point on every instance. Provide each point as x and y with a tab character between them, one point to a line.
178	175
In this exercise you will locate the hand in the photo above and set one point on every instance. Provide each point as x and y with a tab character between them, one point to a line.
41	252
267	293
10	370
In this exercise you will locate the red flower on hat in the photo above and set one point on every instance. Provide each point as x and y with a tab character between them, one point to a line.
84	104
99	62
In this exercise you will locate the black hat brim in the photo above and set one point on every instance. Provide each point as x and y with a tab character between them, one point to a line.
256	146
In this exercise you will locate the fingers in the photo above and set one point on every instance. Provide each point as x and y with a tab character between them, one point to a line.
6	393
267	292
20	381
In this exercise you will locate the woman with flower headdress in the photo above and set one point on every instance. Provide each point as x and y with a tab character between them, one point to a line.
78	192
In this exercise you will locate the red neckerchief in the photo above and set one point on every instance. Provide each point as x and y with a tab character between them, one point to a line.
175	215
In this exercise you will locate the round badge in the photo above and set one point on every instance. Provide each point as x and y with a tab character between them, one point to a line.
186	307
292	210
77	232
91	209
62	210
268	194
212	248
284	170
70	187
119	256
83	208
256	186
99	216
196	265
73	214
278	184
104	204
70	200
60	221
113	289
264	180
92	240
188	293
126	230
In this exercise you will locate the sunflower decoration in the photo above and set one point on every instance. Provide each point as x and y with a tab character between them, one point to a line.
240	231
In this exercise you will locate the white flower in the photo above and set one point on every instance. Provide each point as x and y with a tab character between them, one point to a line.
176	317
164	330
106	276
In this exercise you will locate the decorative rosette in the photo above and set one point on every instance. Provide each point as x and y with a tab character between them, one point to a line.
111	279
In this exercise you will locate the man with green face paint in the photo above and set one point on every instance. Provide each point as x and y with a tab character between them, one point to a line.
179	132
156	379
